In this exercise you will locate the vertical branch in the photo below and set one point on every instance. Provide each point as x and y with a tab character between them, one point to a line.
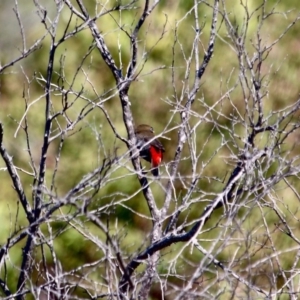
16	10
148	277
48	117
123	85
192	95
134	38
39	183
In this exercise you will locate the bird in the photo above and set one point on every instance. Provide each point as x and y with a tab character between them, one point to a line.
149	147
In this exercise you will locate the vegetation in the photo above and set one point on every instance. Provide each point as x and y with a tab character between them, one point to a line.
82	216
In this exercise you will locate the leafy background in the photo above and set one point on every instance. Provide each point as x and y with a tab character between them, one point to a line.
93	140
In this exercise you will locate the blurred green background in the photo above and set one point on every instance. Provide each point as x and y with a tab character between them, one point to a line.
150	96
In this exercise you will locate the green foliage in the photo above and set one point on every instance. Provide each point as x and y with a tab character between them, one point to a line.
80	152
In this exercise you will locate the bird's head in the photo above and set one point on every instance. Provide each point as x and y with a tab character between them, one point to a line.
143	128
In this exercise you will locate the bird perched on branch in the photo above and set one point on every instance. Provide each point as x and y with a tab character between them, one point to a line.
150	148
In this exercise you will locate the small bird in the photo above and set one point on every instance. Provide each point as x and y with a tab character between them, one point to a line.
151	152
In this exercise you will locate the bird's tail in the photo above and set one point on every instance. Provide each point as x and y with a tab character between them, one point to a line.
155	171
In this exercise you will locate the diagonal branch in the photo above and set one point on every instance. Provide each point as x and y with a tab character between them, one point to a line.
224	197
15	178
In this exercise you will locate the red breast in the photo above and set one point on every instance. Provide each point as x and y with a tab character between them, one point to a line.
156	155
